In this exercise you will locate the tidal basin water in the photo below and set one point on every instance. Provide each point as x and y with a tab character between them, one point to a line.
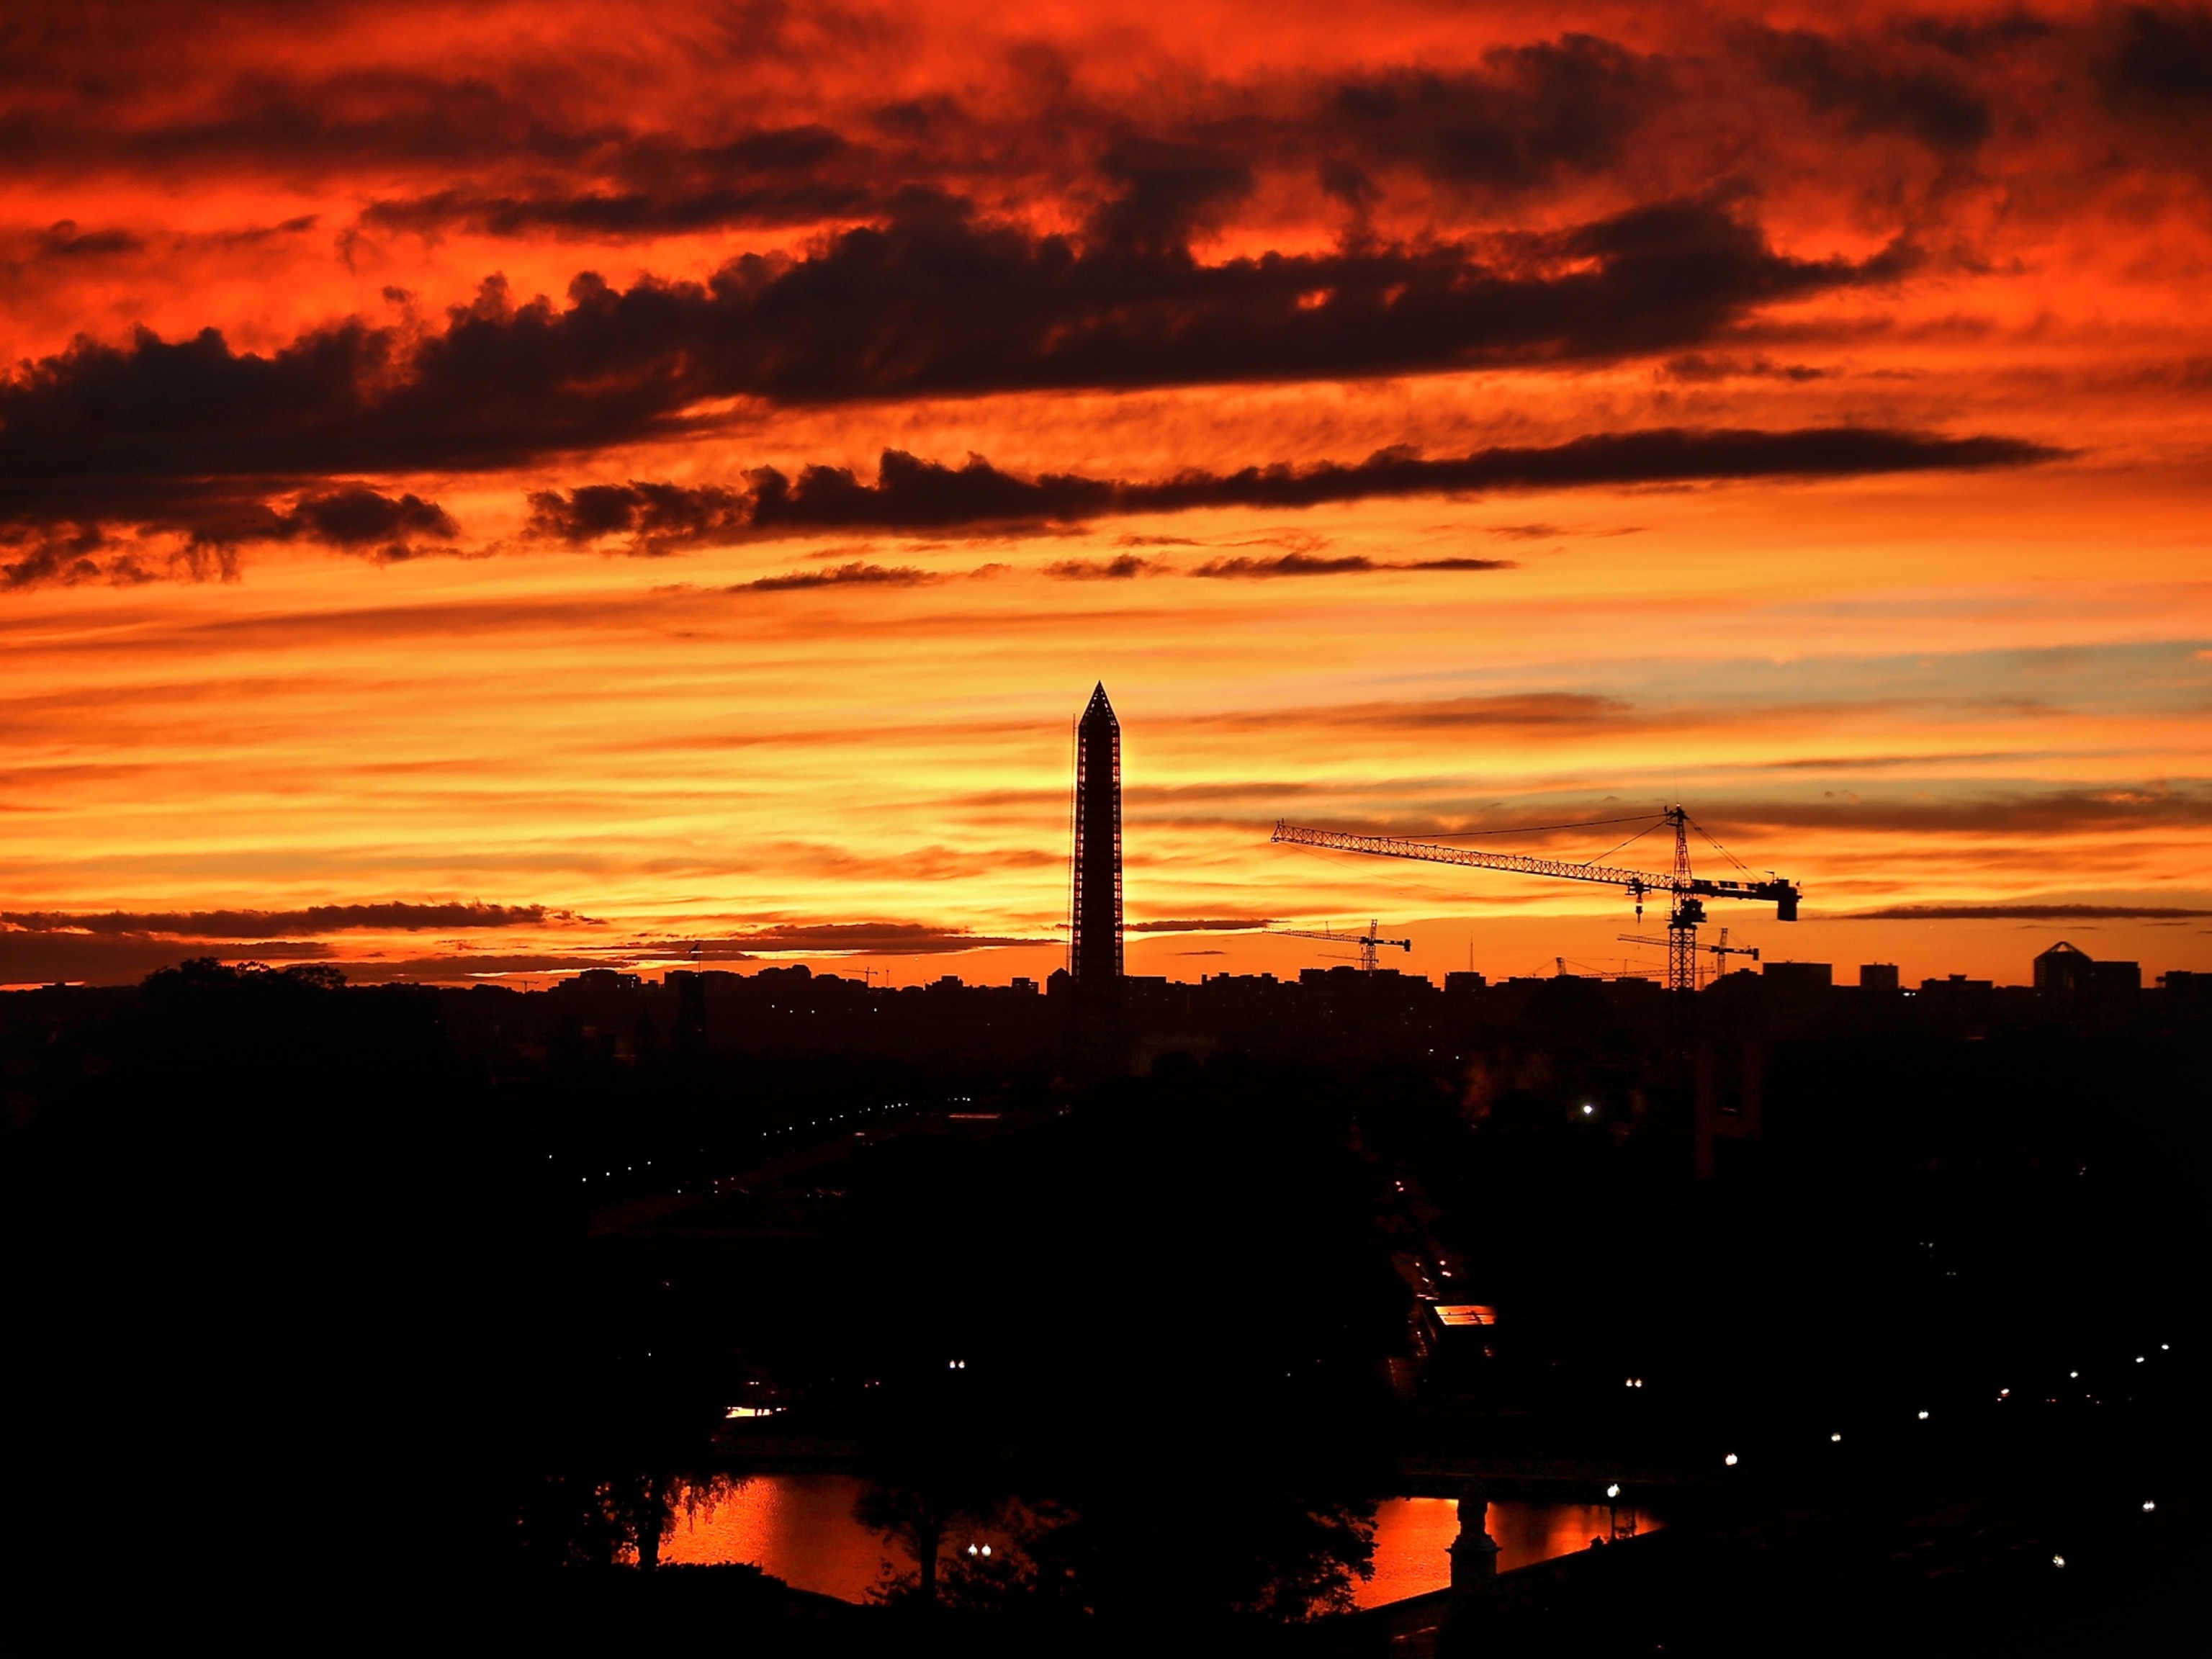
800	1528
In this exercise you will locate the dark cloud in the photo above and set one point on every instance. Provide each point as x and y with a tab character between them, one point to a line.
1565	712
2163	56
933	302
1166	194
914	495
214	524
658	517
856	573
1700	366
260	924
1530	114
62	239
1286	564
1871	90
1517	120
1309	564
506	142
356	518
2026	912
873	939
66	554
338	122
796	175
2009	814
1121	567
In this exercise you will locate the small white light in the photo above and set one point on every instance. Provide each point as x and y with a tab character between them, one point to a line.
987	1549
1834	1439
2058	1560
2139	1359
1615	1492
1730	1460
1588	1110
1924	1417
971	1549
2149	1506
2073	1373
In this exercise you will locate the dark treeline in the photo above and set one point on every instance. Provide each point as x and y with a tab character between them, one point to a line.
450	1292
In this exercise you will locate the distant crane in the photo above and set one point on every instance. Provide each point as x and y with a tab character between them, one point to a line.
1686	892
1720	952
1368	942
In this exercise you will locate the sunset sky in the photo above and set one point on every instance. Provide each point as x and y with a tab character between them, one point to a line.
493	490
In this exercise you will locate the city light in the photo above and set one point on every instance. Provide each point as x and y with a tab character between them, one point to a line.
2149	1506
1835	1439
1730	1460
1924	1417
1588	1110
1615	1492
2058	1560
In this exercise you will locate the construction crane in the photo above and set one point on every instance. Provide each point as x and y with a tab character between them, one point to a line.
1720	952
1368	942
1687	892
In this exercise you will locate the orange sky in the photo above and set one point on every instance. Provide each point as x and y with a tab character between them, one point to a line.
1812	408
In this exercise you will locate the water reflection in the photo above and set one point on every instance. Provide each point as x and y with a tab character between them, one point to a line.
1412	1535
800	1528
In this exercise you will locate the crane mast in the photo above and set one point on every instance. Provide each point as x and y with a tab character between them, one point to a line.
1686	891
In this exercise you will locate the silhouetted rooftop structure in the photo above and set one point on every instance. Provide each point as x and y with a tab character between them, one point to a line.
2065	970
1800	975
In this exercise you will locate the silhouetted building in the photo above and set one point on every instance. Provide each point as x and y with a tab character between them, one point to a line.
2192	989
2067	970
1094	949
2062	970
1878	976
1800	976
1956	985
601	979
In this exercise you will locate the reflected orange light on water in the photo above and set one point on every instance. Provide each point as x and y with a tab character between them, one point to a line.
1413	1536
799	1528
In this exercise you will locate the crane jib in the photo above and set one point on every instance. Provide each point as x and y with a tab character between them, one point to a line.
1784	894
